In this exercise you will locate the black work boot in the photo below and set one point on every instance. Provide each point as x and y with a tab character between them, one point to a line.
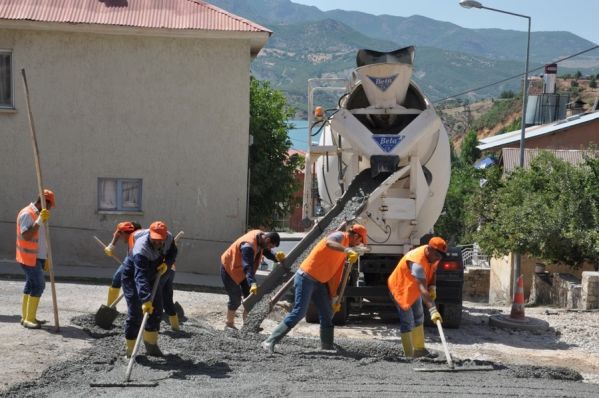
327	335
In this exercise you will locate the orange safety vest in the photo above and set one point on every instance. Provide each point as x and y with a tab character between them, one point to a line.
402	284
231	258
133	237
27	249
325	264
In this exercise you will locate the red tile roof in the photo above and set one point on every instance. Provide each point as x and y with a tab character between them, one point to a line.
167	14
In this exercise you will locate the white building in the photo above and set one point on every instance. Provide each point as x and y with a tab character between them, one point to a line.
142	113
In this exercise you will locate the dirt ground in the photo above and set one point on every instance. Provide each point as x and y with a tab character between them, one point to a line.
571	342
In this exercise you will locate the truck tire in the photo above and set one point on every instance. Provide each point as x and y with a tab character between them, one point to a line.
452	315
339	319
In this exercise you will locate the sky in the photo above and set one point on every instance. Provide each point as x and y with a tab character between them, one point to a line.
577	16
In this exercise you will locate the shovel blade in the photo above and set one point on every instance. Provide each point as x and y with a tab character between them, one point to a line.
105	316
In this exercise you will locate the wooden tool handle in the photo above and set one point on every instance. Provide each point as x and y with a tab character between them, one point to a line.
445	348
104	246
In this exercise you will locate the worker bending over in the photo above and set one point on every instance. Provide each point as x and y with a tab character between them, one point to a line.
240	263
317	280
153	253
411	283
31	254
124	232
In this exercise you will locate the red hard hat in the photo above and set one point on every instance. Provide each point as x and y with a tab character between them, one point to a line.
50	200
126	227
438	244
360	230
158	230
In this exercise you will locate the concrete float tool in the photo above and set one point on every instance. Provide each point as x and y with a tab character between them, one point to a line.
450	366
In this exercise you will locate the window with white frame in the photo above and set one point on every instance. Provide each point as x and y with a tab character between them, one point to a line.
6	96
119	194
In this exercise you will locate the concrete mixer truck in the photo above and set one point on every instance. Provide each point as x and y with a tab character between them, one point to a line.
385	129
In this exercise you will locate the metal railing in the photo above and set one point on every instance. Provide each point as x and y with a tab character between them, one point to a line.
473	257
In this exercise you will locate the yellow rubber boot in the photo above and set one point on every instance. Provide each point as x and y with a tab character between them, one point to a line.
30	322
113	294
174	321
130	347
406	342
418	341
151	343
230	319
24	307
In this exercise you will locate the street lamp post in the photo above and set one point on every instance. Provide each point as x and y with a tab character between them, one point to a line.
476	4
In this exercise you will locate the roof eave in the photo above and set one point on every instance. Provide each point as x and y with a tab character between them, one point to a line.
257	40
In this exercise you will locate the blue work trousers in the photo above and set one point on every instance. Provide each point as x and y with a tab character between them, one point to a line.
412	317
134	312
308	289
35	281
166	285
117	277
234	291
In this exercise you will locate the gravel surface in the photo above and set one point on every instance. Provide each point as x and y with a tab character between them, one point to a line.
204	359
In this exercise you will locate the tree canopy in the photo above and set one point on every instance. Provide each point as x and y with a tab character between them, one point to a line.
272	170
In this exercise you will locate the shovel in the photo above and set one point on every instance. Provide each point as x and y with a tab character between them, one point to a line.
450	366
107	314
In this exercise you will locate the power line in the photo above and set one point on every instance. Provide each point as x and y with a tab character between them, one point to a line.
516	76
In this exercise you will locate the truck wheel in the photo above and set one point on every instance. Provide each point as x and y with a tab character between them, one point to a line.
452	315
339	318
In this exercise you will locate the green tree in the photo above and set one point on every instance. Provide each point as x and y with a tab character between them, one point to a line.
549	211
272	170
593	82
469	153
507	94
577	75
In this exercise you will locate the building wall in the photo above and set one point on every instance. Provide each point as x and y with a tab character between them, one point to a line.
172	111
578	137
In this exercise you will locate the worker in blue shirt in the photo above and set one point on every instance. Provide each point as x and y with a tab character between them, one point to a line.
152	255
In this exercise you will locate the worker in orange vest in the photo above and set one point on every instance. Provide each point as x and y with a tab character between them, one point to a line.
31	254
240	263
317	280
412	283
124	232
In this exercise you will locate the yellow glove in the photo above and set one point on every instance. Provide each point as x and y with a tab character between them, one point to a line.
336	308
254	289
432	291
161	269
352	256
108	250
46	266
147	307
435	316
280	256
43	217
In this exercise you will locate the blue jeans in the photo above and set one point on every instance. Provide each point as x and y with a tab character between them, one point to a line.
411	318
306	290
134	313
35	281
234	291
117	277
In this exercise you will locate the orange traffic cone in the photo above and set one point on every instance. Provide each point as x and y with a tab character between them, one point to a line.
518	304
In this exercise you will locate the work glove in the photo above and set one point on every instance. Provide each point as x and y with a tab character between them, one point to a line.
43	217
432	291
254	289
108	250
147	307
46	266
280	256
161	269
352	256
336	307
435	316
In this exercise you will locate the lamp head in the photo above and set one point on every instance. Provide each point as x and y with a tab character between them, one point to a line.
470	4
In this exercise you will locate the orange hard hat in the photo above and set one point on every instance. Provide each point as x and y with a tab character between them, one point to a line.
158	230
126	227
360	230
50	200
438	244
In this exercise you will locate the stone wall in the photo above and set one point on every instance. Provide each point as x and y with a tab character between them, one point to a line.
590	290
566	290
476	284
